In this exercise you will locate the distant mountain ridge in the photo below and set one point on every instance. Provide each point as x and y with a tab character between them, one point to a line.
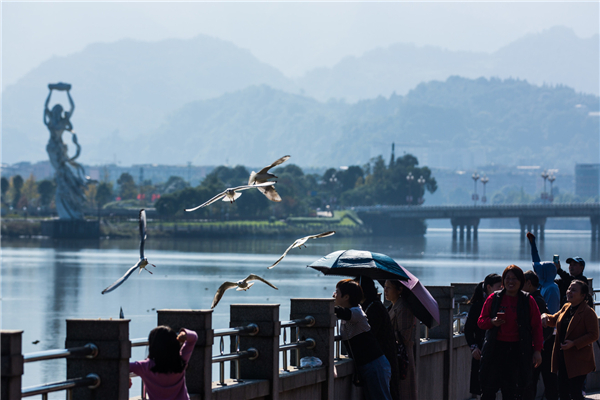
125	91
555	56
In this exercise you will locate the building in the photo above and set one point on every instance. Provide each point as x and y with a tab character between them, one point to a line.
587	180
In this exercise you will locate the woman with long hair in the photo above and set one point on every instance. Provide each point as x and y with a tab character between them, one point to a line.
473	334
404	324
370	362
163	372
576	331
513	338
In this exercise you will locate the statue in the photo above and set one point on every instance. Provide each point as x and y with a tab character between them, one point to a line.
69	175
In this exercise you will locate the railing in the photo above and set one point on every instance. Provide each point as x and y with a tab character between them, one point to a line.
458	322
251	353
285	347
92	381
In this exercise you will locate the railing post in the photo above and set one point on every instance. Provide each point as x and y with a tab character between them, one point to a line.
198	375
12	365
444	295
266	316
112	362
323	332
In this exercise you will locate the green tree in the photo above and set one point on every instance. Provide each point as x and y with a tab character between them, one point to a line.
104	193
127	187
5	185
16	186
46	190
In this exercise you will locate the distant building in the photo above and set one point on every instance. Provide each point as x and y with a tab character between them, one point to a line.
587	180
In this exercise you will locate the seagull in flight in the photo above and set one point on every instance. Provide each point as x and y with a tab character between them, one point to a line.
244	285
230	194
263	176
143	261
301	242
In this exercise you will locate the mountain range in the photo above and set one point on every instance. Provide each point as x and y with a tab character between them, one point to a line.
210	102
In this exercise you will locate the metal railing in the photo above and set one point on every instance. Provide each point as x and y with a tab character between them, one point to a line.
457	322
251	353
92	381
285	347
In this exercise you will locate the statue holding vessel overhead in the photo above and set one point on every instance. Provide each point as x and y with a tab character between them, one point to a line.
69	175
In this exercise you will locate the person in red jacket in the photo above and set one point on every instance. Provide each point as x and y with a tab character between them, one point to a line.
513	339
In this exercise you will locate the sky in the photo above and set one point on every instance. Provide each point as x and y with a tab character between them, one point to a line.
294	37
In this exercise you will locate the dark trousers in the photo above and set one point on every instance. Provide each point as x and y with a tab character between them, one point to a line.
503	373
550	379
474	386
569	389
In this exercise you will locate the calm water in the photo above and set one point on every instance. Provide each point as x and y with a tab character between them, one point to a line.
44	282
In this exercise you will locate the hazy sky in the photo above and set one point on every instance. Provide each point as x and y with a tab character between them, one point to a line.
293	37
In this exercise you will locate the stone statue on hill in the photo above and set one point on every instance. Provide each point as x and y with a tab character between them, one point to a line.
69	175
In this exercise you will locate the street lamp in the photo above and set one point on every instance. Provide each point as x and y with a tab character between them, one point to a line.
551	178
544	175
409	179
421	182
484	180
475	178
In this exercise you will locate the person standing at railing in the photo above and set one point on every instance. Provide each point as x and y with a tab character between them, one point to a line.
513	340
576	267
473	334
405	325
163	372
546	272
370	362
381	327
531	286
577	330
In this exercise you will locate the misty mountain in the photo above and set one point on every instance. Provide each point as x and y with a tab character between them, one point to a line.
458	122
125	89
554	56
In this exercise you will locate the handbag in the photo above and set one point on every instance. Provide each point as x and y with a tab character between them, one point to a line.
402	355
356	377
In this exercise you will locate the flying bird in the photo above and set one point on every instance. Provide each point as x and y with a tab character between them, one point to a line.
143	261
301	242
230	194
263	176
244	285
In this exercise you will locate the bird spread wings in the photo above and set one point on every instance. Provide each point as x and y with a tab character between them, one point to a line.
300	242
253	277
263	176
122	279
223	194
142	231
220	291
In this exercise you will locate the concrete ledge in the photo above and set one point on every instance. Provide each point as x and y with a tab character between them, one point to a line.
249	389
459	341
297	378
433	346
344	367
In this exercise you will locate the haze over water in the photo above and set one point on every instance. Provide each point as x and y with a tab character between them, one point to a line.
44	283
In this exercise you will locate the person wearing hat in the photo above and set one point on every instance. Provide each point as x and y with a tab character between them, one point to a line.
576	267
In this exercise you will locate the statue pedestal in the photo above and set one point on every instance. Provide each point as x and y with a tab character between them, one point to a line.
71	229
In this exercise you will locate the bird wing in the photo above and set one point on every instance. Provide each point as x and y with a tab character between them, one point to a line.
321	235
216	198
283	255
220	291
270	193
253	277
122	279
258	185
252	178
236	196
142	219
276	163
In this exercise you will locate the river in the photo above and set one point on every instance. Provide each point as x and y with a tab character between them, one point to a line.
45	282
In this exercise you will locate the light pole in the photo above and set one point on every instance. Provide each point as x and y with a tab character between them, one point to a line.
475	178
421	182
551	178
409	179
484	180
544	175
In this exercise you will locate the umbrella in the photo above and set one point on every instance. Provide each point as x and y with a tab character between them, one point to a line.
381	267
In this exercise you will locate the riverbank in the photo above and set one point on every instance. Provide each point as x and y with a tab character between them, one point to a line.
345	223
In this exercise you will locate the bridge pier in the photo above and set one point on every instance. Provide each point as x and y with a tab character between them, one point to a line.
535	225
464	224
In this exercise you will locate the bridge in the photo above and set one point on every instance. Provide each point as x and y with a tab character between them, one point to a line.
465	219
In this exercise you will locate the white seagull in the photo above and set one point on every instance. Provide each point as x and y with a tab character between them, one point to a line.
244	285
230	194
143	261
301	242
263	176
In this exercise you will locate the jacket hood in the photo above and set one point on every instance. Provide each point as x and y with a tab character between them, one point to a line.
546	272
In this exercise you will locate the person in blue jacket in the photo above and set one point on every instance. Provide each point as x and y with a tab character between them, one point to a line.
546	272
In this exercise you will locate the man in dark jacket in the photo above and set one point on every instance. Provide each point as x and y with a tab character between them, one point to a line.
576	267
531	286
